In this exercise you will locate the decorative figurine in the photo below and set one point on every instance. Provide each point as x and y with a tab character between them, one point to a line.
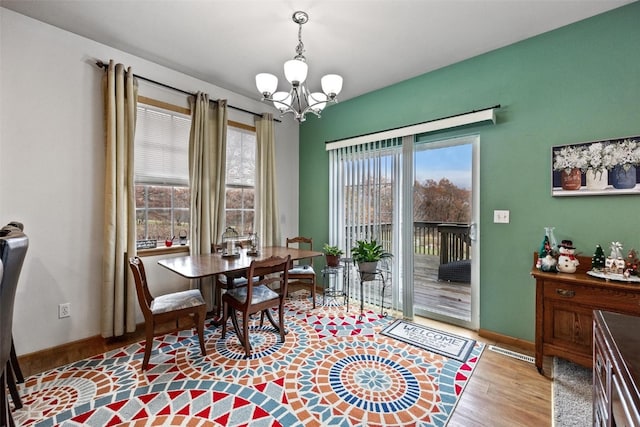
615	263
546	261
631	265
598	259
567	261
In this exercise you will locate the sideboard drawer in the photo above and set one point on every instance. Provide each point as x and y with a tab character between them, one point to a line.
601	296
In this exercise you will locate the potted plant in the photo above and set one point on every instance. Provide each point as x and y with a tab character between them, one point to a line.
366	255
332	254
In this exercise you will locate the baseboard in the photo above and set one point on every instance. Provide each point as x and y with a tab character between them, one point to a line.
49	358
508	340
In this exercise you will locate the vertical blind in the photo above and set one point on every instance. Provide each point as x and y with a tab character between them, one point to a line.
361	202
364	202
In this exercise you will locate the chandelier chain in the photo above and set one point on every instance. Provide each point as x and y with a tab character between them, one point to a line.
300	47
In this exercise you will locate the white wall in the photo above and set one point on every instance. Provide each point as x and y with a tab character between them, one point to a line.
52	168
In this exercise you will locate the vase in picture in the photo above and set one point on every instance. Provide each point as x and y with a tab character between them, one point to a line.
597	179
623	177
570	179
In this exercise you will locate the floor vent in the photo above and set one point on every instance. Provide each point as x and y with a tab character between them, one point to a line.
513	354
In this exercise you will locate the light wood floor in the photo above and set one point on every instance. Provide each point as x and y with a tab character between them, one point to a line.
503	391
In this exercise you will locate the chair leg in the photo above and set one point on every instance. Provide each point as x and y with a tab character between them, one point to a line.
6	419
313	293
199	319
218	298
242	337
245	329
225	317
15	365
148	345
13	386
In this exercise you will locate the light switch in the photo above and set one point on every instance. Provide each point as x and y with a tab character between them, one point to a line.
501	217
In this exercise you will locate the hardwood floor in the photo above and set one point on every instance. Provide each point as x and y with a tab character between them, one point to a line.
503	391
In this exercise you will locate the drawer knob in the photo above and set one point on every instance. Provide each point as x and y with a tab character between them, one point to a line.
566	293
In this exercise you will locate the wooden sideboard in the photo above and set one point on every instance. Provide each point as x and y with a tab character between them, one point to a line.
616	369
564	310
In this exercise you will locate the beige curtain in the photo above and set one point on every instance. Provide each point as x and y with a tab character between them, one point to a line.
267	216
207	159
118	289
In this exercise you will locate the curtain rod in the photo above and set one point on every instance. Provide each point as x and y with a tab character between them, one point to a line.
415	124
104	65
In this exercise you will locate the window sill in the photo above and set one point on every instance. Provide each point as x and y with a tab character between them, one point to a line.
163	250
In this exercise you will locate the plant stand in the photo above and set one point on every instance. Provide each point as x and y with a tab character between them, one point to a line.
366	276
330	288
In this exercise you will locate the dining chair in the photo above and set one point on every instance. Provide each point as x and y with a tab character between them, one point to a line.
166	307
301	272
221	281
258	297
13	249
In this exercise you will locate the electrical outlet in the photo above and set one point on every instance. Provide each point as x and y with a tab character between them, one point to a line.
501	217
64	310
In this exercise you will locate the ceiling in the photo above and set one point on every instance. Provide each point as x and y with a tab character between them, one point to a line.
371	43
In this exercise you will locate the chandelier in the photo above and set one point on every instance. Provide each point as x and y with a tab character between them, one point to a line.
299	101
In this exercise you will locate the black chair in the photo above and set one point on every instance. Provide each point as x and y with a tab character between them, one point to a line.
13	249
14	375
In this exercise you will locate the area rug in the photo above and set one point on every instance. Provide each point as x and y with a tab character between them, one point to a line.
333	369
444	343
572	394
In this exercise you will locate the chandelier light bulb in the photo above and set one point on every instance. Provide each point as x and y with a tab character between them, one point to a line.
299	100
331	85
295	71
318	101
266	84
281	100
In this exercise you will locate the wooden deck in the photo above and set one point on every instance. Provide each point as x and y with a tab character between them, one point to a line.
444	298
450	299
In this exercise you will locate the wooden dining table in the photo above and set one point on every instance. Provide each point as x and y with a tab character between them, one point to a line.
200	266
209	265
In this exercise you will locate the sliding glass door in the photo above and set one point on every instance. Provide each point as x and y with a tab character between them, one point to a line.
443	229
419	199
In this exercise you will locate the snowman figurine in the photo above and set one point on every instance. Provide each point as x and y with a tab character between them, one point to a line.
567	261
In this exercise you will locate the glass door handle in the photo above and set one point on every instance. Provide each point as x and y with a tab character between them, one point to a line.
473	232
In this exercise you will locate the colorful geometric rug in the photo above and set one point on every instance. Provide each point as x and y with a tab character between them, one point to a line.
332	369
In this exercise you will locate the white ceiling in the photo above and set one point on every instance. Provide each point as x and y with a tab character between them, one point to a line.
371	43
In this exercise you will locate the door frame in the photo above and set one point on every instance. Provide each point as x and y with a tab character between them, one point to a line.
408	176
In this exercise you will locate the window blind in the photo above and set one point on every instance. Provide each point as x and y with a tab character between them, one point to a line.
162	147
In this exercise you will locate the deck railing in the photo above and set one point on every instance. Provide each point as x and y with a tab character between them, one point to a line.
449	241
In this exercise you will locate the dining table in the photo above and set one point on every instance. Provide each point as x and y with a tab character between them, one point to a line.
206	265
233	266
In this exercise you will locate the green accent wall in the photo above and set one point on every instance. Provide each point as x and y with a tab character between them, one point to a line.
575	84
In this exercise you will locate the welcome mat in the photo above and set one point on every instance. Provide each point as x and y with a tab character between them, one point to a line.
434	340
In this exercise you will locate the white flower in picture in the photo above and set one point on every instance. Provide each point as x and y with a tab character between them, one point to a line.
569	157
594	156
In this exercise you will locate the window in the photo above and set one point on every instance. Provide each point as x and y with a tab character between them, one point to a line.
161	173
240	189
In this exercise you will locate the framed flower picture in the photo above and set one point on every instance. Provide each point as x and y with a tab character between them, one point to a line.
604	167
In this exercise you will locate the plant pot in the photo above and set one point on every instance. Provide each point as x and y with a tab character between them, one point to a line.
571	180
332	260
597	179
623	177
368	270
